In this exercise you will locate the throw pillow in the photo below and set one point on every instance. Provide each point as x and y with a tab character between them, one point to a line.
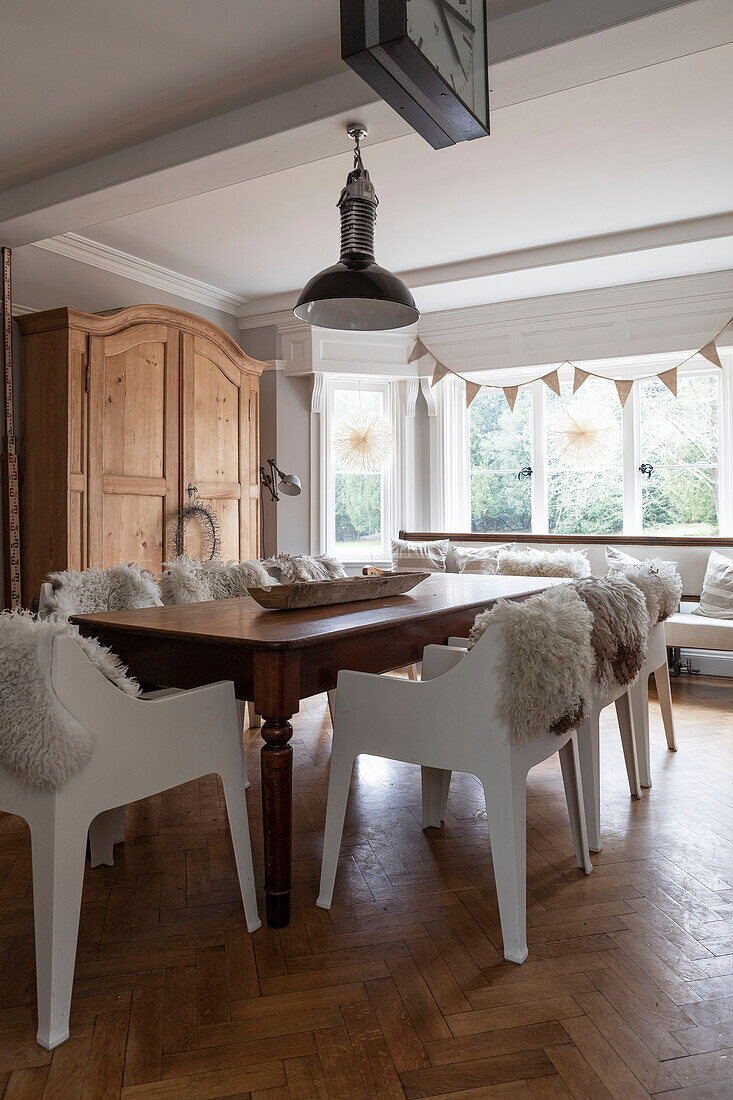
479	559
419	557
544	563
615	558
717	588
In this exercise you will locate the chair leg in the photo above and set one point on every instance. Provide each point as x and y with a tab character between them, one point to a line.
255	719
435	785
506	810
639	693
661	679
339	781
102	839
58	846
570	767
590	772
628	742
236	803
332	703
413	671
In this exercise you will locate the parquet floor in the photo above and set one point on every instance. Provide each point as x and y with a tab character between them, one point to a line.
401	989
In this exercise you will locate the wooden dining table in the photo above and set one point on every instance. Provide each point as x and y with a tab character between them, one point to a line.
277	658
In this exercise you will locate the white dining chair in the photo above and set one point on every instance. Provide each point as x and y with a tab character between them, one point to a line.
656	665
141	747
450	720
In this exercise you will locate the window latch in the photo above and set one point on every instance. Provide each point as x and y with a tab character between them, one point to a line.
526	471
646	468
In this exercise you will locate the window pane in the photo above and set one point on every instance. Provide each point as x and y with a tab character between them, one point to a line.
499	449
585	502
582	500
680	429
358	513
682	500
357	503
500	502
679	438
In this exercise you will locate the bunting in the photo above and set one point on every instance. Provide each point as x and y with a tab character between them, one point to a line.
669	377
623	389
510	392
418	351
553	381
579	377
472	389
439	372
710	352
623	386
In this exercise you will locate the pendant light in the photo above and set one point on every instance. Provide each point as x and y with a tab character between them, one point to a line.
356	293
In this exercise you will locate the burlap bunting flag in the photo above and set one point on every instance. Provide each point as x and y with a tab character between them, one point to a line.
553	381
472	389
418	351
579	378
439	372
623	389
510	392
669	377
710	352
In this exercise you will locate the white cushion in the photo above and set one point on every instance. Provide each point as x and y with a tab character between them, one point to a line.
717	588
616	558
419	557
697	632
479	559
540	563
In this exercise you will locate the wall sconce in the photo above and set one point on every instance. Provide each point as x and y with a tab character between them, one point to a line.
275	480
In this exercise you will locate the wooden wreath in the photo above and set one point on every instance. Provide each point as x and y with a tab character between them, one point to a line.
209	521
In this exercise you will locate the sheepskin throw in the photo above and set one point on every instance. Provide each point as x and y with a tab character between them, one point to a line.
547	662
620	629
544	563
119	588
40	741
189	580
661	584
302	567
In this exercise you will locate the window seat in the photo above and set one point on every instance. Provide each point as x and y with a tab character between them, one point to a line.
683	630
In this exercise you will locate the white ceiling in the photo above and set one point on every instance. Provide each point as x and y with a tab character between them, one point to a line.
640	149
606	129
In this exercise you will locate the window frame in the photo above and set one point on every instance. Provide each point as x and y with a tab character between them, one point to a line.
631	448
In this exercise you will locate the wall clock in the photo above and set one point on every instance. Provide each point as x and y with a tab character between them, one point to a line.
427	58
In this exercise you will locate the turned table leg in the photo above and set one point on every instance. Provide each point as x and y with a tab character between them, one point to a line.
277	817
276	698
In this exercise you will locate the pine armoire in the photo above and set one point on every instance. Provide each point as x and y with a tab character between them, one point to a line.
122	412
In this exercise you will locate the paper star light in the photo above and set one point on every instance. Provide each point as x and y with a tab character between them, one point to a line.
583	434
362	441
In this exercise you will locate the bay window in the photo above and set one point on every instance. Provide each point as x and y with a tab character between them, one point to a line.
664	468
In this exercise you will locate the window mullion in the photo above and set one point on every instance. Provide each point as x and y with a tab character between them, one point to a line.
631	460
539	461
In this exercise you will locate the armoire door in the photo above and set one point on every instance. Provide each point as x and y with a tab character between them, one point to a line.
133	445
216	417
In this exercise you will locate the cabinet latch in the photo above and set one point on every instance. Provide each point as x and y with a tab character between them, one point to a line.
86	378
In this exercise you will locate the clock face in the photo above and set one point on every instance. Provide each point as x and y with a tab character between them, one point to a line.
451	35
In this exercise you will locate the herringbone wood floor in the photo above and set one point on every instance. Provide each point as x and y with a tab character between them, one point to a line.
401	989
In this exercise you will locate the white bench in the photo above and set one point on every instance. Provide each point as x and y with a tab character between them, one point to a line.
683	630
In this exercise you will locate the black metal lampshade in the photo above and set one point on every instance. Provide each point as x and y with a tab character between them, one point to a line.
356	293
